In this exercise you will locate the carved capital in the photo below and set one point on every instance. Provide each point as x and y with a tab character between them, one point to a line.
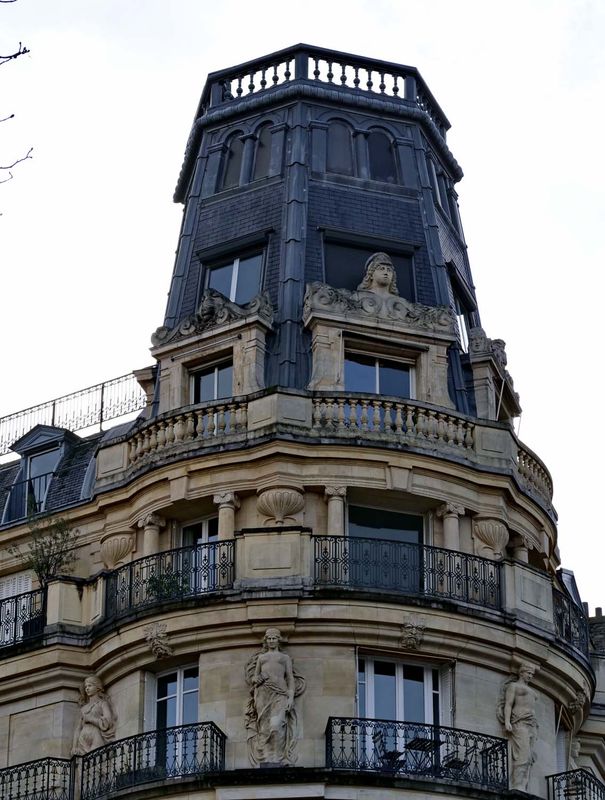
152	520
491	537
228	499
280	504
450	510
335	491
115	547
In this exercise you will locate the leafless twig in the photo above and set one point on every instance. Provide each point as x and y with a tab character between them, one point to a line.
20	52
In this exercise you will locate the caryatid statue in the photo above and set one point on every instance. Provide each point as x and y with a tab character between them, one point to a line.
517	712
271	714
97	723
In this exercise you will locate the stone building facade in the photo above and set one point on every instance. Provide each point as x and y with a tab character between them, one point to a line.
319	562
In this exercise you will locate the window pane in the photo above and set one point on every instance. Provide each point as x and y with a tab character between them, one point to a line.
382	163
375	523
204	383
340	153
166	713
248	279
393	379
413	694
361	687
219	278
212	528
190	679
167	685
224	381
233	162
344	267
43	463
360	373
189	708
385	696
263	153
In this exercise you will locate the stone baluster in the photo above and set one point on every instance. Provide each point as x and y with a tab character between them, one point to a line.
335	496
450	513
151	525
228	503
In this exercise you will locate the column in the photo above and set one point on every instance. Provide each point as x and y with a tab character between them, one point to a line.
227	503
335	497
151	525
451	526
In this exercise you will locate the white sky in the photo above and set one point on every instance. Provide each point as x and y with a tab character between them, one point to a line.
106	98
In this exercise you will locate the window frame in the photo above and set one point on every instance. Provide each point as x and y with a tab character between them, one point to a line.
431	696
213	365
371	352
234	262
151	695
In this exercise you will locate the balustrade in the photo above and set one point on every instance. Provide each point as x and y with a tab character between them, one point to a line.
331	67
579	784
426	752
170	576
22	617
409	569
206	423
404	421
186	750
44	779
534	472
570	621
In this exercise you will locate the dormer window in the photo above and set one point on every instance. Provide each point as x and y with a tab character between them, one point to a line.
239	279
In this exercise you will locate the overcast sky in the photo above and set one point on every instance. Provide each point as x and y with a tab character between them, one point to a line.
107	96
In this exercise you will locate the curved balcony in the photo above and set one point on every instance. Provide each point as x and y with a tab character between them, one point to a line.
416	750
570	621
44	779
181	752
579	784
170	576
412	570
22	617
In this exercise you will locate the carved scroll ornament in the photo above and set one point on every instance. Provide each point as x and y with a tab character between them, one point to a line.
215	309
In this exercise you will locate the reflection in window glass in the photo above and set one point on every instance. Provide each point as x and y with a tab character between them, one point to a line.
376	375
213	383
382	162
239	280
262	158
375	523
177	698
393	690
340	151
233	162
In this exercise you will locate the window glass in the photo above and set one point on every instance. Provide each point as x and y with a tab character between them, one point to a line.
375	523
385	690
376	375
239	280
345	266
233	162
263	153
382	163
43	462
213	383
340	151
393	690
177	698
413	693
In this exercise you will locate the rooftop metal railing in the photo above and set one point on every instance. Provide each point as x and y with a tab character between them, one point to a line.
76	411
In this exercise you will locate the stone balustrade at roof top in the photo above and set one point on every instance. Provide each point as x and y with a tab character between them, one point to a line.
306	70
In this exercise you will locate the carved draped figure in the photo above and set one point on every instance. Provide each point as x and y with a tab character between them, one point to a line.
96	725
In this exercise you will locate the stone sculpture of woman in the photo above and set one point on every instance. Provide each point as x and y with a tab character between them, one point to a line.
97	722
517	712
379	276
271	717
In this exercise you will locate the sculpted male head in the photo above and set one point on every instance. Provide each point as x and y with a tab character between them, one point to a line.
379	275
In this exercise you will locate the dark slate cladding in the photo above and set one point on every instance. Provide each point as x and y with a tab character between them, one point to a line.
367	212
452	248
224	219
68	482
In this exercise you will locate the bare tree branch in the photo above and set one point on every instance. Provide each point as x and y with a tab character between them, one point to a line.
10	116
20	52
19	160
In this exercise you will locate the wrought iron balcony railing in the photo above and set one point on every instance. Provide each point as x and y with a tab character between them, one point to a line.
571	624
44	779
82	409
579	784
170	576
412	749
409	569
179	752
22	617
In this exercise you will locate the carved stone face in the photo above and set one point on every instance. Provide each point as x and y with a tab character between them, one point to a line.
272	641
383	275
91	687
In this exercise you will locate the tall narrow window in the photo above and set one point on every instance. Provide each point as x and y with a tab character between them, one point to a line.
392	690
233	161
239	280
340	150
176	704
202	560
262	159
177	698
381	157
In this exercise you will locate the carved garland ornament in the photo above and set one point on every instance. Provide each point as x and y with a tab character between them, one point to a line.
215	309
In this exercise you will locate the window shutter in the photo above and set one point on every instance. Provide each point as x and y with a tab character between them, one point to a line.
19	583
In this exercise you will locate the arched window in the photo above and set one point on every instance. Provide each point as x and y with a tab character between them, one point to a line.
340	152
262	159
382	161
233	161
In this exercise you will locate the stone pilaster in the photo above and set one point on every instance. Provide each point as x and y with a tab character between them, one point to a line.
228	503
450	513
335	497
151	525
